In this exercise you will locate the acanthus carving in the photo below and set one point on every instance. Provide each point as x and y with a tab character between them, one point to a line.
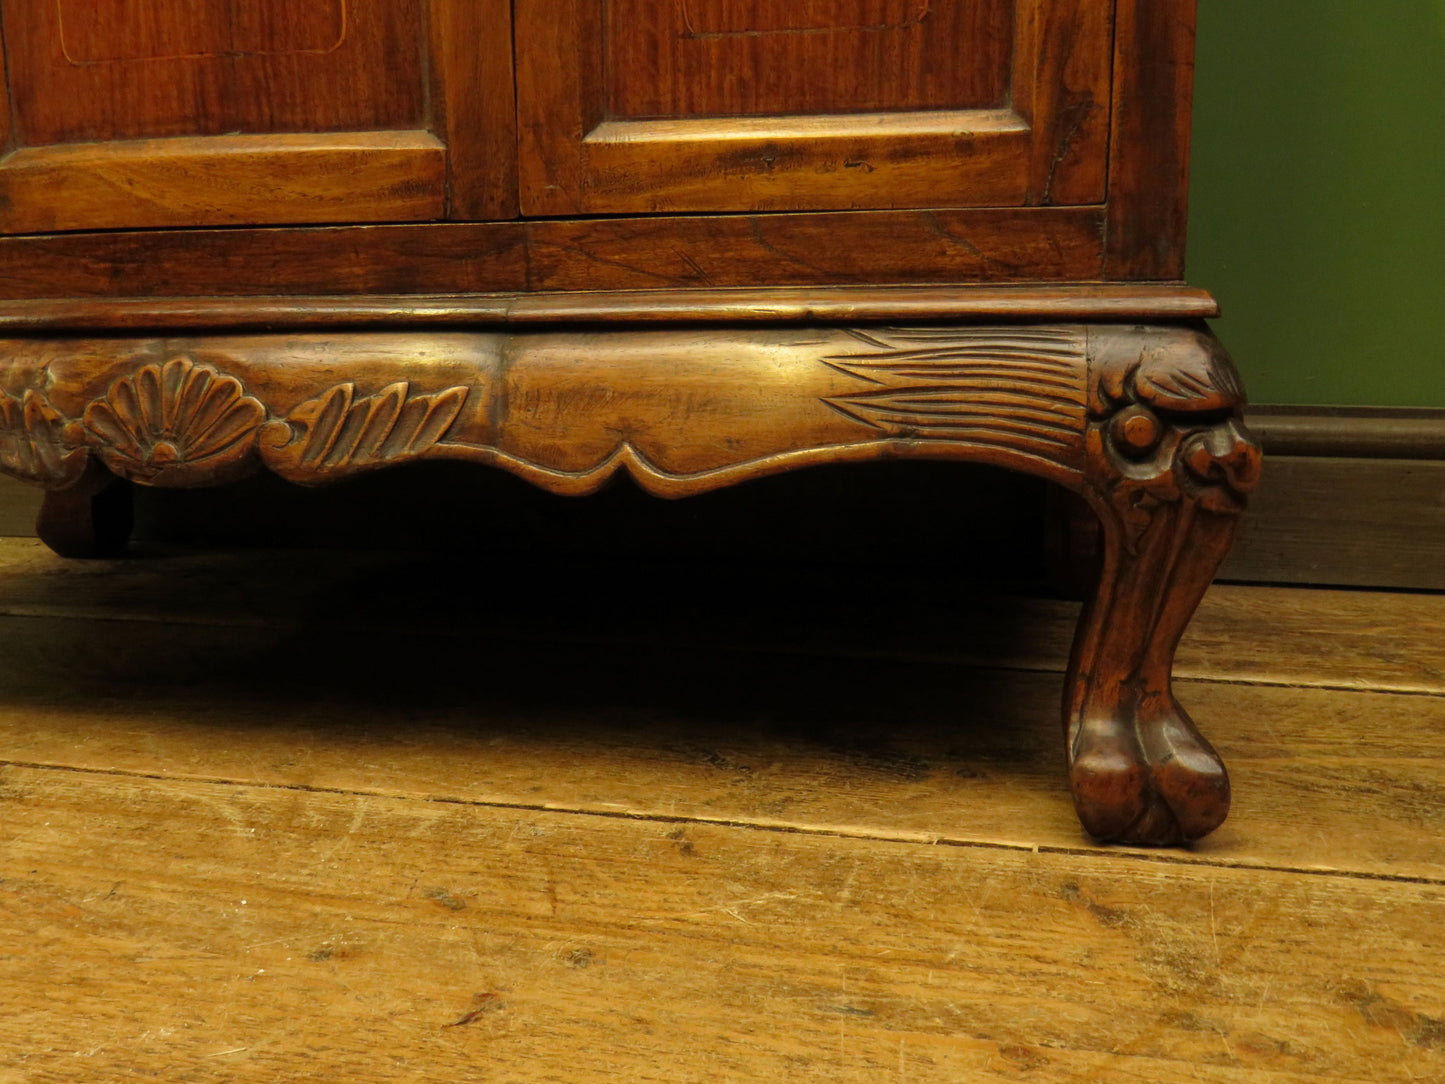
337	434
1144	421
1166	427
34	445
183	422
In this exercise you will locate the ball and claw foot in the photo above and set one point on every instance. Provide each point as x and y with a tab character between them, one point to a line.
1170	465
1153	783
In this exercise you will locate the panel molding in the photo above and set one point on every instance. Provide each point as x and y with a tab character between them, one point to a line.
1035	245
840	304
575	159
223	180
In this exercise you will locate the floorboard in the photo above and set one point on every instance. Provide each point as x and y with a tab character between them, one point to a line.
338	936
363	817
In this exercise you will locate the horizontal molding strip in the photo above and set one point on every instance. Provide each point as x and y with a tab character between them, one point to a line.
231	180
1350	432
743	306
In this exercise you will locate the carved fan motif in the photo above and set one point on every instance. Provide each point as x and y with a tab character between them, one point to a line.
33	447
175	424
337	434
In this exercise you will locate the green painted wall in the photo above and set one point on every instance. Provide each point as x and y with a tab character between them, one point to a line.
1317	210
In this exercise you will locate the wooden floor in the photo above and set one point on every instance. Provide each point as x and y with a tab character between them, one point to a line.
364	817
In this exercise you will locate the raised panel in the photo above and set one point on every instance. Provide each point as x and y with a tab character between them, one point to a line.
747	17
101	31
95	70
174	113
668	106
682	58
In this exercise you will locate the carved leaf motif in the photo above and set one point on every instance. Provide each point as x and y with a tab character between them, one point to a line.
338	434
1173	381
175	424
33	446
1020	388
1192	382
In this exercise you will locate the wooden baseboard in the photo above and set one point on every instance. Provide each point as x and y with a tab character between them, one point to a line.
1351	497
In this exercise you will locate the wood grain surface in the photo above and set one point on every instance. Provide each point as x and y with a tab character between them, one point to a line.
1042	245
841	304
702	855
85	71
224	181
616	115
247	932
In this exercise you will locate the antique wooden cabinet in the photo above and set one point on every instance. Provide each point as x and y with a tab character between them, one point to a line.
695	240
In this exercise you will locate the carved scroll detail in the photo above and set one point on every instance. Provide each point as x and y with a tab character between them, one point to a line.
337	434
175	423
1018	389
1166	427
34	446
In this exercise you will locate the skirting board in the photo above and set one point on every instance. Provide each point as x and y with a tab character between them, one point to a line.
1351	497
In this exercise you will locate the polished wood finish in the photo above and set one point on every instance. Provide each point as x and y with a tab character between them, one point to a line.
780	304
1027	245
473	100
224	180
616	117
661	58
1051	245
430	856
1149	153
463	258
653	146
1143	422
87	71
216	112
1172	464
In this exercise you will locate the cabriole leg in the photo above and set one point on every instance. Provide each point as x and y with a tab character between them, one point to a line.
1169	464
89	520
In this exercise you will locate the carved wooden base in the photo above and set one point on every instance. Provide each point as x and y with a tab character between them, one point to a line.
1142	421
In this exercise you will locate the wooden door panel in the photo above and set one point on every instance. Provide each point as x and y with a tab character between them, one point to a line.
639	106
141	113
686	58
97	31
86	71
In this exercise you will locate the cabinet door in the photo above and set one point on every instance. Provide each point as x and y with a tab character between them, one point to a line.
152	113
633	106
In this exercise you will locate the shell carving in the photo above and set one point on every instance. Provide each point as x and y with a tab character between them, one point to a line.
176	424
33	447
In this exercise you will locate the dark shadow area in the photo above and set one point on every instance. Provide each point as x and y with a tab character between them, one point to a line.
822	613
